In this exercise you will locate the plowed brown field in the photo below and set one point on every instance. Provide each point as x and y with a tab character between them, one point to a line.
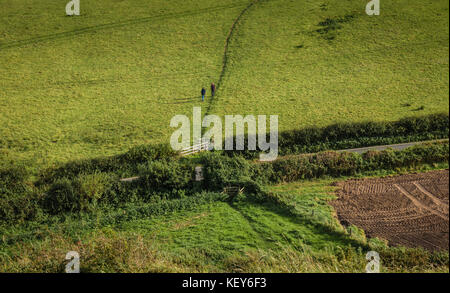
409	210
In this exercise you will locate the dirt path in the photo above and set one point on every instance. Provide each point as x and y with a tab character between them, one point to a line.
409	210
397	147
362	150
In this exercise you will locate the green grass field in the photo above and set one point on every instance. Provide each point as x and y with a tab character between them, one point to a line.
112	78
107	80
96	85
218	237
353	68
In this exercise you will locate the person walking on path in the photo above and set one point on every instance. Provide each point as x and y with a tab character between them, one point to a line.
213	89
203	94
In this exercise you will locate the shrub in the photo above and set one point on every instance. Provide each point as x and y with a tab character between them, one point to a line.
83	193
171	178
17	207
61	197
220	171
120	164
92	189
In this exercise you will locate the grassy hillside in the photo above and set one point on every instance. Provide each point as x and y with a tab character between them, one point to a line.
80	87
300	235
76	93
213	237
319	62
76	87
164	221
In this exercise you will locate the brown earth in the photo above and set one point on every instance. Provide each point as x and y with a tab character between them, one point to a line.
408	210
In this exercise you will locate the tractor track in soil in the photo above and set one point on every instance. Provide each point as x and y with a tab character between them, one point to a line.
408	210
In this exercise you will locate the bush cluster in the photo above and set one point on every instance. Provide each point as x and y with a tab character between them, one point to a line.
18	201
121	164
83	193
165	180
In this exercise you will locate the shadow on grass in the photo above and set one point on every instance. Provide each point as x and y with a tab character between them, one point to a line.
338	238
181	101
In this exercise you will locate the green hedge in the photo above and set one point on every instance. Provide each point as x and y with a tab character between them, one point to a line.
308	140
167	180
110	215
163	179
338	164
221	171
355	135
18	200
126	163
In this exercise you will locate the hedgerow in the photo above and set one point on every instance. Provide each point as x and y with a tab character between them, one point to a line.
338	164
121	164
162	178
355	135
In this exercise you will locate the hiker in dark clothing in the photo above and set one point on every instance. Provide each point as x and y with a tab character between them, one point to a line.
213	89
203	94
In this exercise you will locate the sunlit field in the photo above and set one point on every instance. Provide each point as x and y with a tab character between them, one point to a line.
112	78
86	104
